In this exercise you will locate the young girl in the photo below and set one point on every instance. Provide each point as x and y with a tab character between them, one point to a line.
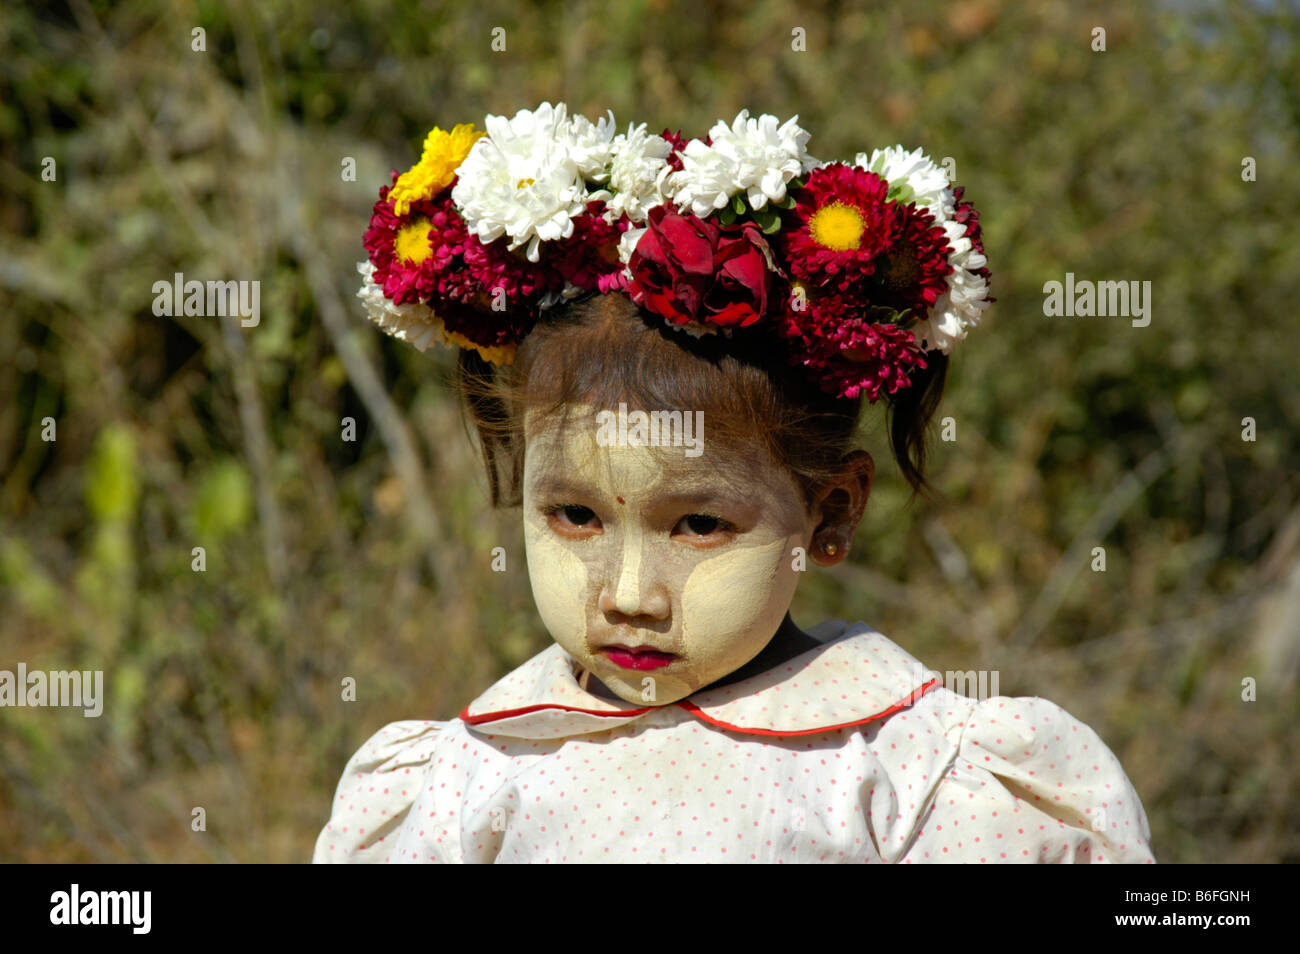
665	350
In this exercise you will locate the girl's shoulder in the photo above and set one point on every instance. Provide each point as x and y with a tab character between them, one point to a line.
1036	782
376	790
1017	772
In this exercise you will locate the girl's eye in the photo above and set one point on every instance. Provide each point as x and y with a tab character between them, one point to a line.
571	515
574	517
703	524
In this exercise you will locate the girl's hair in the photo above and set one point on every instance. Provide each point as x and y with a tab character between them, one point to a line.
603	350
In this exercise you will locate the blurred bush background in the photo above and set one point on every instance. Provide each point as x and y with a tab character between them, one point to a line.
371	559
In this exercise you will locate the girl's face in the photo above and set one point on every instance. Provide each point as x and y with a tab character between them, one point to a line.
651	571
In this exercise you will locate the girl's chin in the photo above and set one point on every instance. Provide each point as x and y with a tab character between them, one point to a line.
643	688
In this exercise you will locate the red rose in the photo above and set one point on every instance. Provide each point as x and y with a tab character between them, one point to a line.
688	269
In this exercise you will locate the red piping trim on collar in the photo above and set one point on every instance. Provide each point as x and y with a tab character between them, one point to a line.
695	710
511	713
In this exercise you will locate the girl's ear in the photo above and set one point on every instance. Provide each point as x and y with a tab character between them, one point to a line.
841	504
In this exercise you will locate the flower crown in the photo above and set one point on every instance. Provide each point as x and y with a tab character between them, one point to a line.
859	267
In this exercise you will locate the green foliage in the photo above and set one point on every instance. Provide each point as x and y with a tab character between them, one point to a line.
26	582
224	501
112	483
900	192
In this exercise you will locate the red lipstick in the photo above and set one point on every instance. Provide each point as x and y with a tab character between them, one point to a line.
639	657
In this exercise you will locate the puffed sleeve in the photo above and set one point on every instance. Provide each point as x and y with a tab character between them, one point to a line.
375	793
1030	783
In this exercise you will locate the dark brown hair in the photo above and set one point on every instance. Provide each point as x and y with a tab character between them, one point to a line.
604	350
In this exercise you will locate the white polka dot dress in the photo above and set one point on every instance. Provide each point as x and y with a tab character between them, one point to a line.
850	752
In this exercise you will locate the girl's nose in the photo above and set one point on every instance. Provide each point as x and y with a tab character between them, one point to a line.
635	589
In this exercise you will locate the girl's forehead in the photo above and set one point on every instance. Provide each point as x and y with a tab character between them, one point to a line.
634	470
569	451
576	455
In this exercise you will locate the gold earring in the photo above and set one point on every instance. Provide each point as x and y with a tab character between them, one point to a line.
830	549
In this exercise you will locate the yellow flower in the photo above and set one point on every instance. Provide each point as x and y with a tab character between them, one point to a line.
837	226
443	154
412	242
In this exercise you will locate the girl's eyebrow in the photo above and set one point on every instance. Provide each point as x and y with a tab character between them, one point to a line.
563	486
696	498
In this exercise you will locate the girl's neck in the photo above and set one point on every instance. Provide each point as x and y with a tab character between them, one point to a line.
789	641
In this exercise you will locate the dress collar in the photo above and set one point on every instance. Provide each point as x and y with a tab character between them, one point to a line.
856	676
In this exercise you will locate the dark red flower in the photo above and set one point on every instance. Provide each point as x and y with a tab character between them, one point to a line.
846	352
428	256
912	273
476	320
687	269
417	254
589	257
495	267
840	225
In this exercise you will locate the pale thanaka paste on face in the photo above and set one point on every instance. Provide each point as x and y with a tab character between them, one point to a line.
633	575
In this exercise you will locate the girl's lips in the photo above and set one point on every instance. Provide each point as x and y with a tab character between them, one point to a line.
639	659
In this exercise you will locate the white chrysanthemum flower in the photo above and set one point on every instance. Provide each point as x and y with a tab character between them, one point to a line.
521	180
929	182
591	145
627	244
414	323
961	306
640	159
753	156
